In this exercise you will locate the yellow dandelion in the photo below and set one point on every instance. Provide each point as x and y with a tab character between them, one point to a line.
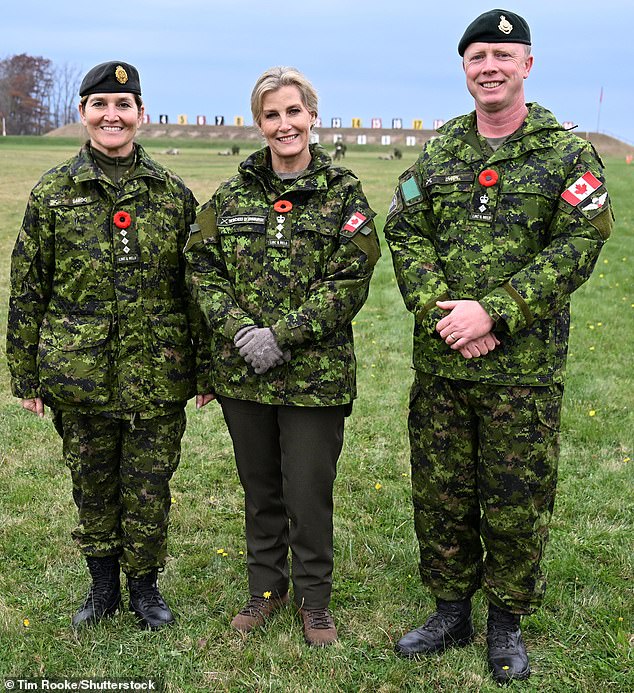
620	619
241	553
225	554
404	474
605	262
173	500
354	322
591	327
601	275
26	623
267	594
378	486
591	348
220	551
505	667
592	412
599	324
627	459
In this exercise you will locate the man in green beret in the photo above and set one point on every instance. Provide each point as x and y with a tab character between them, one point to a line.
499	220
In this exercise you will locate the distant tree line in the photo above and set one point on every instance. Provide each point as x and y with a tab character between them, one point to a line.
37	96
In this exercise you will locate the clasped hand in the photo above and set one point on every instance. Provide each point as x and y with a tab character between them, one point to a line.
259	348
467	328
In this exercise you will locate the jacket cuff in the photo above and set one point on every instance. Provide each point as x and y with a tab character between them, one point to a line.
505	305
286	334
24	390
235	323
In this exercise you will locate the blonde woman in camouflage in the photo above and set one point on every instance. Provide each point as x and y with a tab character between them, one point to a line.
280	261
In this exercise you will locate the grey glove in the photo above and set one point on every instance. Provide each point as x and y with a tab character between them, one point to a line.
241	332
259	348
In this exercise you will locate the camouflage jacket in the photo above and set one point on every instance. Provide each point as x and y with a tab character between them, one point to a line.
296	256
519	245
99	317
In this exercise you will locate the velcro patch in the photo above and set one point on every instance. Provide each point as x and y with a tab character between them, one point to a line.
206	222
466	177
354	224
595	206
410	190
241	219
581	189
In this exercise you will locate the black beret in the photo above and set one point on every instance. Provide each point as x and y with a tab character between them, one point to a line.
115	77
496	26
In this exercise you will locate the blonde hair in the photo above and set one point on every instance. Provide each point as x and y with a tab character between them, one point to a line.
277	77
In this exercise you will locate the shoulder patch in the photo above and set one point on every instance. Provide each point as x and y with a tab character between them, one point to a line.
206	222
354	224
595	206
581	189
410	190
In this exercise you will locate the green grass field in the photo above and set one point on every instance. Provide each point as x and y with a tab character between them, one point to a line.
579	641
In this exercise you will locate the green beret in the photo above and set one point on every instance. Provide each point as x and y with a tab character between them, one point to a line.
496	26
115	77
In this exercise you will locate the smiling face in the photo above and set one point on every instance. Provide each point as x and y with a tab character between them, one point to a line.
285	124
495	75
112	121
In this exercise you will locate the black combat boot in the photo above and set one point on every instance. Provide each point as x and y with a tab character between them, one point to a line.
147	603
449	626
104	596
508	659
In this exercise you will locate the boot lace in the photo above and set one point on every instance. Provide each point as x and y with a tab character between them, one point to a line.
320	618
148	594
502	630
256	606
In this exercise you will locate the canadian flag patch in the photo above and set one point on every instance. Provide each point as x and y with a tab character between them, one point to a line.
581	189
354	222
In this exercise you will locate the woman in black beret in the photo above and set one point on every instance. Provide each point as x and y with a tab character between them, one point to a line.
100	330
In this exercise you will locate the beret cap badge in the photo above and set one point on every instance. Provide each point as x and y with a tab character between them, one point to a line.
505	26
121	75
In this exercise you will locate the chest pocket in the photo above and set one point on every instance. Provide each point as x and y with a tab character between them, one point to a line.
79	225
449	193
313	241
242	238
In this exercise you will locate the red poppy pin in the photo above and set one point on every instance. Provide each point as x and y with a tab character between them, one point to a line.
488	177
283	206
122	220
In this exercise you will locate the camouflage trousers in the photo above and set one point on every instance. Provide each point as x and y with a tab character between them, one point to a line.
484	474
120	471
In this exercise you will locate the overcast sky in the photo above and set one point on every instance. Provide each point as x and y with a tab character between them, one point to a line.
367	58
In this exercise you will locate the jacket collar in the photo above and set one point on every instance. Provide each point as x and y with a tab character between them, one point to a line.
83	167
315	177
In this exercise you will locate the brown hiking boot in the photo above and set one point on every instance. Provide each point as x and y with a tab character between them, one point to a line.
319	627
256	611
